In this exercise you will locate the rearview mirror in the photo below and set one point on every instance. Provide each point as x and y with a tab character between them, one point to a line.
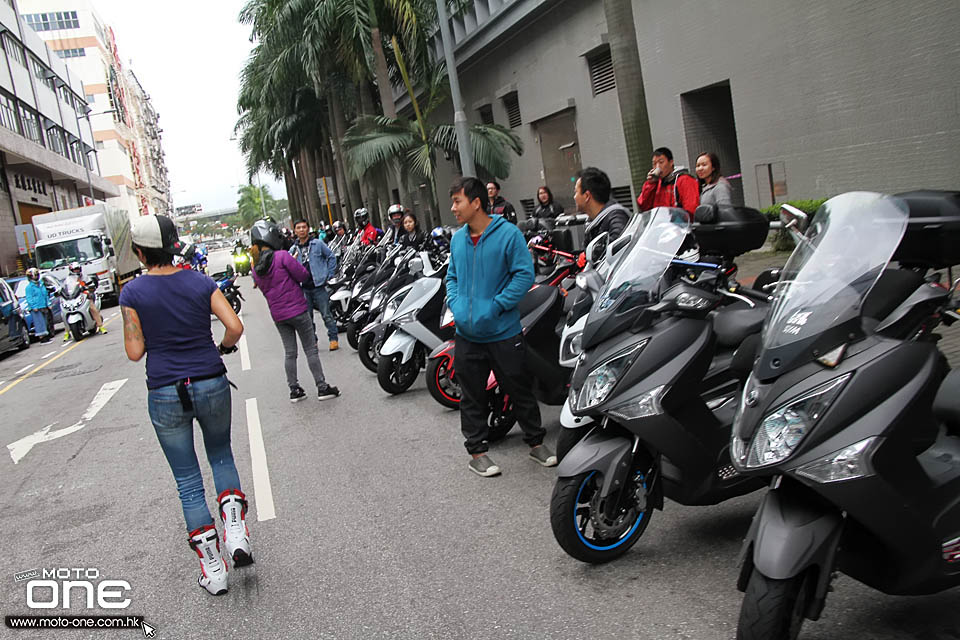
595	250
793	218
617	245
416	265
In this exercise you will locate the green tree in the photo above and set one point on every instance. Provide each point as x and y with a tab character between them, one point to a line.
252	201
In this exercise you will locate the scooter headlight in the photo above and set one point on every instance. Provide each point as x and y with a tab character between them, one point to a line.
848	463
603	378
783	429
356	290
377	300
393	304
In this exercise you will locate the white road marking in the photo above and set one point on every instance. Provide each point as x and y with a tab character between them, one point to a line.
48	355
23	446
24	369
244	354
1	382
258	460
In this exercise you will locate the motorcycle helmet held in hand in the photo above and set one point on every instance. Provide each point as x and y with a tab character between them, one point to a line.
265	232
361	217
441	237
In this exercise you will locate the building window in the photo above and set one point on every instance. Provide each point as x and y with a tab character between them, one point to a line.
512	104
601	72
71	53
54	21
31	124
486	114
529	206
56	142
99	144
43	74
14	50
8	113
622	195
91	99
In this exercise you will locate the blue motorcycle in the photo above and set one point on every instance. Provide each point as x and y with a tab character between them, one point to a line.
226	282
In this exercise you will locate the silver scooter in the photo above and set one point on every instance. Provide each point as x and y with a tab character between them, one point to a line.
76	307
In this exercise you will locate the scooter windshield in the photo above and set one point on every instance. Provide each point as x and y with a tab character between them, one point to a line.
824	283
634	281
71	289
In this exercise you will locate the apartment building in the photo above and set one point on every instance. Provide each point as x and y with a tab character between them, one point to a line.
799	100
125	125
48	159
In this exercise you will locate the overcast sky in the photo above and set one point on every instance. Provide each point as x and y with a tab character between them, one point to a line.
188	57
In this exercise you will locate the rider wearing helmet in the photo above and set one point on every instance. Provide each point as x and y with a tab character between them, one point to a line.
395	213
365	231
76	271
38	303
279	275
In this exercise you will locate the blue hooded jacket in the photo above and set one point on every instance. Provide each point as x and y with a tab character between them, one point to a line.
37	296
486	282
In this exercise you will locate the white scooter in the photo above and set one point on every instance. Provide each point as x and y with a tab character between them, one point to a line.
76	307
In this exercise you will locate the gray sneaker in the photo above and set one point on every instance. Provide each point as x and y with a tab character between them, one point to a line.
483	466
544	455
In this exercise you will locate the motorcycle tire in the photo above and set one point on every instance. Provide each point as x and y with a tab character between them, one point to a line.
24	337
76	331
394	376
572	508
774	608
235	304
353	335
441	386
501	418
368	349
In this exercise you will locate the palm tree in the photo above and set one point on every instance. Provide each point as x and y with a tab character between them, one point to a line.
252	201
380	143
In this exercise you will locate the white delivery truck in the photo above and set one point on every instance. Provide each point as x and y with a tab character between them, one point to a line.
98	237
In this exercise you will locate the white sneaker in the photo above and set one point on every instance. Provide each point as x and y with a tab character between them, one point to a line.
236	536
213	570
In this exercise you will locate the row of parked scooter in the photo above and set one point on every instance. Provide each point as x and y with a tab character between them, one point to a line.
822	381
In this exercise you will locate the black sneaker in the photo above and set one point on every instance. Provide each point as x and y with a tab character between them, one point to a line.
297	394
327	391
484	466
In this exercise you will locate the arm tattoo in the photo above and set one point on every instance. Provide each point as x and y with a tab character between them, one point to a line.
131	328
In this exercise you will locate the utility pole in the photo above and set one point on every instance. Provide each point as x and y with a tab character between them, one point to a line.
459	115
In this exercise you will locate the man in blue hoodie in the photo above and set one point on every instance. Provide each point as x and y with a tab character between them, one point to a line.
489	273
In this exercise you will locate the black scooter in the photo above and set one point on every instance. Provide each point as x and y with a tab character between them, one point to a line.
848	411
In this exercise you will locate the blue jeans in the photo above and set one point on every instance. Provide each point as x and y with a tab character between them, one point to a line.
318	298
174	427
39	322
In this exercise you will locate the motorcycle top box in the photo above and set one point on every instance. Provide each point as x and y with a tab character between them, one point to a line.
730	231
932	237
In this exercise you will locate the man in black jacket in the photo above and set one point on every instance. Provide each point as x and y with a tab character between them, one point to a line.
592	195
498	205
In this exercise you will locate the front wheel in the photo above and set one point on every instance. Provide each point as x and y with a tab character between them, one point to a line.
76	330
24	336
774	609
235	304
395	376
581	524
353	335
501	418
367	350
441	384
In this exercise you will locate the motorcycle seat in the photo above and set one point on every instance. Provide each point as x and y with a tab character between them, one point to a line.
534	298
734	323
892	288
946	405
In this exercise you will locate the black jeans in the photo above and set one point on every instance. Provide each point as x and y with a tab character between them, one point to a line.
474	360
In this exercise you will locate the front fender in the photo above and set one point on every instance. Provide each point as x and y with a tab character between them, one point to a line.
445	350
570	421
601	451
399	342
789	535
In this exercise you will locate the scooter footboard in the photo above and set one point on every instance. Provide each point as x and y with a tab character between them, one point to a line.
607	453
788	536
399	342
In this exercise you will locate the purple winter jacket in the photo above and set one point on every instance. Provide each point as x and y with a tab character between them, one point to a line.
280	285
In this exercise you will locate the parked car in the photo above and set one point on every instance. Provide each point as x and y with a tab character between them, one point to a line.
14	333
54	285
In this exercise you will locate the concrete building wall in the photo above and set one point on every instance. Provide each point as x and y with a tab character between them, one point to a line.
852	95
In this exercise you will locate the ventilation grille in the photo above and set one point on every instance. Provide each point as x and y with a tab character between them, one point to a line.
486	114
512	105
622	195
601	72
528	204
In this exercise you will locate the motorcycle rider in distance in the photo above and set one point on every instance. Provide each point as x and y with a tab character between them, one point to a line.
76	272
592	195
392	235
365	230
669	186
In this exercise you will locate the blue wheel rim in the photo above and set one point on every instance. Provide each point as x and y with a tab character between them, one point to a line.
589	544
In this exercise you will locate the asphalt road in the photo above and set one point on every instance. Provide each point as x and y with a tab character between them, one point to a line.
377	530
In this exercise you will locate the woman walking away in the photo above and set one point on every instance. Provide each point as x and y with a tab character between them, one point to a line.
166	315
546	207
278	275
412	236
714	189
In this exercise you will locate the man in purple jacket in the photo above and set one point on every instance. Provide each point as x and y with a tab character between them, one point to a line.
278	275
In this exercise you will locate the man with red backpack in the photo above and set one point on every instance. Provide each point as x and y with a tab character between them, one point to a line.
669	186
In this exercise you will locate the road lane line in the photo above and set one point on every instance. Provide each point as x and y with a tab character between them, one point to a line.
42	365
23	446
258	458
22	370
48	355
244	354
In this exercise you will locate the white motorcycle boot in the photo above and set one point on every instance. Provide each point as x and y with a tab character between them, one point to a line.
236	536
213	570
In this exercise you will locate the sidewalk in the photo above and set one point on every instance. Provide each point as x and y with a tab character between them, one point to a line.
753	263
